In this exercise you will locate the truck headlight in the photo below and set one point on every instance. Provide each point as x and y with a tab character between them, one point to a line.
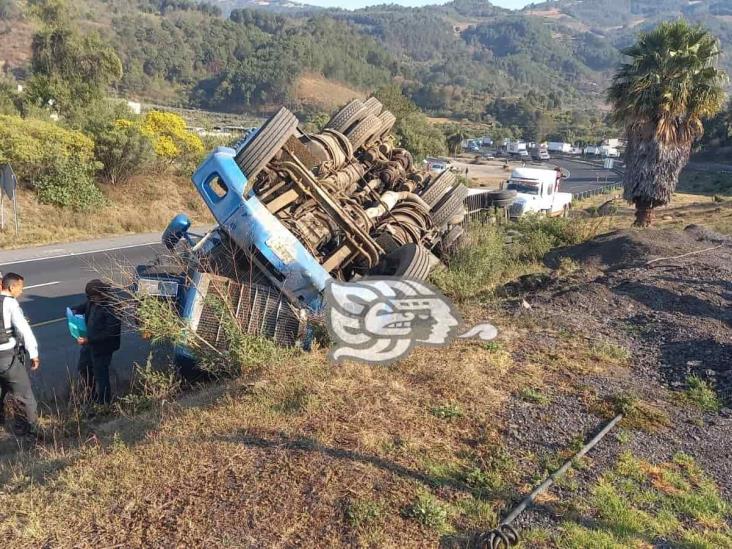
157	287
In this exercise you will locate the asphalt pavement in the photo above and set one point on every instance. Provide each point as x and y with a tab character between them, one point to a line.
584	175
55	277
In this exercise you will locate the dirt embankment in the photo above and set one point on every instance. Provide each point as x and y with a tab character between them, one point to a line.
665	295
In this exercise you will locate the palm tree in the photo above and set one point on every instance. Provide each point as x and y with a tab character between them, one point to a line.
455	141
660	96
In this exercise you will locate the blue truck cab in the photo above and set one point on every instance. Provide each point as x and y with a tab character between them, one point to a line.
242	219
239	213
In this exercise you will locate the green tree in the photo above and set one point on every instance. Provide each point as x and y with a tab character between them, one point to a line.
413	130
660	96
70	70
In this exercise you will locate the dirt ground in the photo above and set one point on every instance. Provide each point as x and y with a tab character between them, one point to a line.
666	296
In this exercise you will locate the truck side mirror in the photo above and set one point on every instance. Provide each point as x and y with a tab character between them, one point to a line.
176	230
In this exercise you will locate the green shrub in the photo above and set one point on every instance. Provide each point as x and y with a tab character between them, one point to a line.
702	394
69	184
9	98
36	149
477	266
123	151
541	234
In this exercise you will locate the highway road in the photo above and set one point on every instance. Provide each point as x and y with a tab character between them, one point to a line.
55	278
584	176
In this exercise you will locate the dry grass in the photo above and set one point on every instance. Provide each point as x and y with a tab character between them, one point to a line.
144	204
286	460
314	89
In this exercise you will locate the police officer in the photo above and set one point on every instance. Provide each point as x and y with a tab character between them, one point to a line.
15	333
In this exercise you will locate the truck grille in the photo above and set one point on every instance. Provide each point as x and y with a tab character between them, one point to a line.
256	309
516	209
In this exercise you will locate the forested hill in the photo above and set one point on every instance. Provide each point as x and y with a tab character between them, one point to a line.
467	58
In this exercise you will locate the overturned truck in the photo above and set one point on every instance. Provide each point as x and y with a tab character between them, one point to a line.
295	210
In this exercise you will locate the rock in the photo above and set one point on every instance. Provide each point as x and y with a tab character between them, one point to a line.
667	218
525	304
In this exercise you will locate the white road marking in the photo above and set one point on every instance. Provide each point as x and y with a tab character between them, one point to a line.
72	254
47	322
42	285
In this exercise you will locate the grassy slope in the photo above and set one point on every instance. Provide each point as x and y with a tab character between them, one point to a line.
145	204
296	452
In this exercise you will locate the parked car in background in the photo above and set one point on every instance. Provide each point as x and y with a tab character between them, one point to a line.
437	165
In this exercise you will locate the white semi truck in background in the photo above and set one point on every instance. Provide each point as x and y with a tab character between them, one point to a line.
537	191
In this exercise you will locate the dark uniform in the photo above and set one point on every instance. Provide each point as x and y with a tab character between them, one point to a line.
102	340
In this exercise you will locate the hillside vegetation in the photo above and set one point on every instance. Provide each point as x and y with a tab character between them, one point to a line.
550	63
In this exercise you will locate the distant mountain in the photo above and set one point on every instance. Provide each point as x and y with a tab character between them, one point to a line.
464	59
620	21
276	6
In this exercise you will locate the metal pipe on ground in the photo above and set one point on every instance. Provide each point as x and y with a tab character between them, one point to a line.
505	535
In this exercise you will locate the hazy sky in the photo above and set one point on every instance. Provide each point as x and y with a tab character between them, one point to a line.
354	4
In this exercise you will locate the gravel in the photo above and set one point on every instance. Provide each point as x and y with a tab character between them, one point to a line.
675	317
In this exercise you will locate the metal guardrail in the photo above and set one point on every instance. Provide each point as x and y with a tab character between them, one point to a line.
599	190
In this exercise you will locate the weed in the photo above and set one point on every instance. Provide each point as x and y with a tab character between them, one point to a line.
363	513
150	387
477	513
702	395
293	399
448	411
639	504
623	436
637	414
529	394
493	346
429	511
567	266
609	352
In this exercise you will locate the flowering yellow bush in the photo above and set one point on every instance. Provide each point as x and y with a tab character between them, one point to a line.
171	140
33	147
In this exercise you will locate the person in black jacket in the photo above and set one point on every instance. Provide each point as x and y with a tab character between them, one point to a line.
103	329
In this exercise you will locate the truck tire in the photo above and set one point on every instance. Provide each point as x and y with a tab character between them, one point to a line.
501	195
347	117
364	131
408	261
387	123
438	187
387	242
373	106
269	140
451	238
449	206
503	203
